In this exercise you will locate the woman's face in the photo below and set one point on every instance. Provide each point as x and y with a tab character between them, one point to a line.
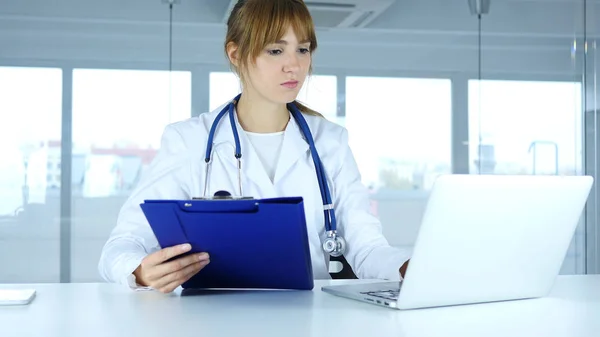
280	70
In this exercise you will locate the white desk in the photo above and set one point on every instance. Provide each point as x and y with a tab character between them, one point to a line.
90	310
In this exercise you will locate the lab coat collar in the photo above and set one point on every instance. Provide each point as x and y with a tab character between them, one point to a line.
293	148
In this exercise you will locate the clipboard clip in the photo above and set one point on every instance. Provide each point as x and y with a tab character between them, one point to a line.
223	195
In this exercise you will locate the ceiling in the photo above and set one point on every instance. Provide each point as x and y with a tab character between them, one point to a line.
518	36
506	16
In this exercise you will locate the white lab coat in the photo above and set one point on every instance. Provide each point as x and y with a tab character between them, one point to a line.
178	171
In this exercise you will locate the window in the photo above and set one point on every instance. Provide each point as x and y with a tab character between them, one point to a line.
318	93
30	134
223	87
518	127
118	120
529	127
399	131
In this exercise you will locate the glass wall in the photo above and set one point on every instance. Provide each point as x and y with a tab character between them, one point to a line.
525	95
529	127
402	147
591	102
424	88
319	92
30	173
118	117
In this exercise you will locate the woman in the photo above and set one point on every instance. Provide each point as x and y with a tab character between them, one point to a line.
269	44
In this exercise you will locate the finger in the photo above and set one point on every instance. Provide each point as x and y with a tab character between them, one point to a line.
174	280
169	288
152	263
179	274
165	254
180	263
157	272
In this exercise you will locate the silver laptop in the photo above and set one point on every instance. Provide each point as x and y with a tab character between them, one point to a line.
484	238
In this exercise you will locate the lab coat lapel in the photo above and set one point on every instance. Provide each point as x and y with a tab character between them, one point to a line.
293	148
252	168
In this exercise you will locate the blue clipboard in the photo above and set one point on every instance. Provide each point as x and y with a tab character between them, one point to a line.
252	243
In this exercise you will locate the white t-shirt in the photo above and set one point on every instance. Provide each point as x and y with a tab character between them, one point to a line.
268	148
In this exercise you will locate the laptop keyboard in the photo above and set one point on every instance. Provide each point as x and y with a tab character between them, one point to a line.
391	294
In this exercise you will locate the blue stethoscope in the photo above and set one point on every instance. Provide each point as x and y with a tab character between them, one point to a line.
334	244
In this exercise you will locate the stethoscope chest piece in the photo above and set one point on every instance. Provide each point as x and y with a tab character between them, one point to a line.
334	245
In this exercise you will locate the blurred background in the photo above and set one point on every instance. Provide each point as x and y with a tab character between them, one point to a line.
425	87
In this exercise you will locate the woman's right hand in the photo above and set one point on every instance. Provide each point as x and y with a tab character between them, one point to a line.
157	272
